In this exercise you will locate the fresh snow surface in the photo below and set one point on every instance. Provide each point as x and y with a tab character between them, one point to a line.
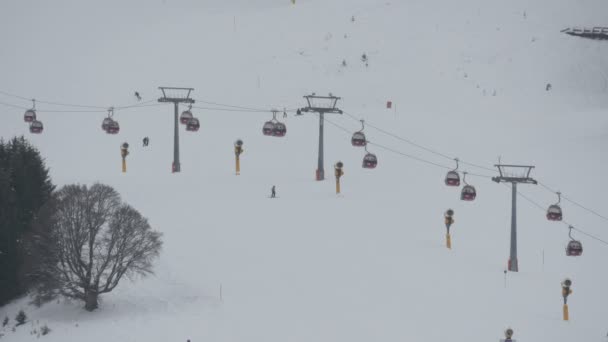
369	264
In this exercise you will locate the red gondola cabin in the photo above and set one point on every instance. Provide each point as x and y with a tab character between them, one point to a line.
185	117
468	193
113	127
36	127
370	161
193	125
279	129
268	128
452	179
554	213
105	123
358	139
574	248
29	116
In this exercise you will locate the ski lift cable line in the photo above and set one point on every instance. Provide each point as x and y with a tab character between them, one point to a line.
15	96
589	235
404	154
12	105
71	111
52	111
250	109
230	106
540	207
136	105
50	102
575	203
233	110
418	145
75	111
54	103
472	174
409	156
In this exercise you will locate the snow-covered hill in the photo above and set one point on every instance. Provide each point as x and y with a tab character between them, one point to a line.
467	79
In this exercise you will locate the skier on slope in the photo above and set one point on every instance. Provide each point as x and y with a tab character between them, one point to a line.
137	96
146	141
273	193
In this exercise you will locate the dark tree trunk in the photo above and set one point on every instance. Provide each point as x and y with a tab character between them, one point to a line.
91	300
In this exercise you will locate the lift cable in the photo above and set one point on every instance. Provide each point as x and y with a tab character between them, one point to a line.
54	103
478	175
418	145
143	104
402	153
235	108
604	217
249	109
533	202
575	203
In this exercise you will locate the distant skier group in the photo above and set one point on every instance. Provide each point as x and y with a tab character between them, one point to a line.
364	59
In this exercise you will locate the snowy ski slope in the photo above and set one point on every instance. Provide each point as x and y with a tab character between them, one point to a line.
369	264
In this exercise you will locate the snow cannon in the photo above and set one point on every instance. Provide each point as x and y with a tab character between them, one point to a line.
566	291
508	335
449	220
124	152
339	173
238	149
338	169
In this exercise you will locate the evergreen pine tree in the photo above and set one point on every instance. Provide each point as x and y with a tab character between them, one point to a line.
25	186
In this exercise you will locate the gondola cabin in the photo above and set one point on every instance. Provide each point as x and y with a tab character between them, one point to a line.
554	213
452	179
193	125
113	127
370	161
185	117
268	128
358	139
468	193
29	116
36	127
106	123
574	248
279	129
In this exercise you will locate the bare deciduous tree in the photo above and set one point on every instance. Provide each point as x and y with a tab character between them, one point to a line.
92	241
